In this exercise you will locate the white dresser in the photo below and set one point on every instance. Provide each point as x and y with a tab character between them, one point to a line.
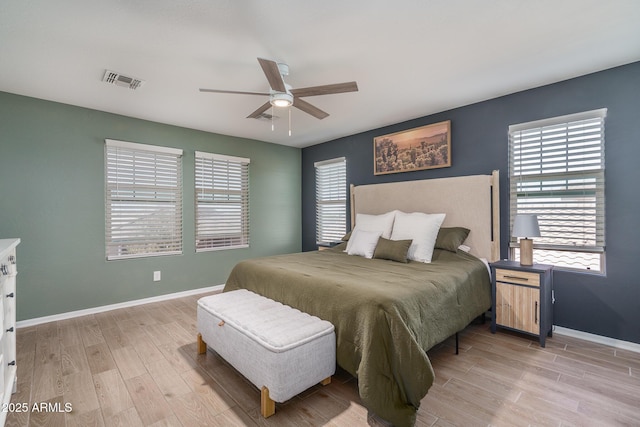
8	272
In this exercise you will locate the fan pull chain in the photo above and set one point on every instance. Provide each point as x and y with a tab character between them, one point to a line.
289	121
272	125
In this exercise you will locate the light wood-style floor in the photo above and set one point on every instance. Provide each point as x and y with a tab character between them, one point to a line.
138	367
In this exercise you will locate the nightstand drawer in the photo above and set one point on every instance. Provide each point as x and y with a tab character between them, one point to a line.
519	277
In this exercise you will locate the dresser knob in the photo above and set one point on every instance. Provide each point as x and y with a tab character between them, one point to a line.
10	329
12	363
10	295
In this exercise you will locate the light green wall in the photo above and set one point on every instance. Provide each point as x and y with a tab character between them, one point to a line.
52	197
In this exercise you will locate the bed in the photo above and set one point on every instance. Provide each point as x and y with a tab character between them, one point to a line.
387	314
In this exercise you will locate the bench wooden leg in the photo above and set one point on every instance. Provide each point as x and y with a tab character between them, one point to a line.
267	406
326	381
202	346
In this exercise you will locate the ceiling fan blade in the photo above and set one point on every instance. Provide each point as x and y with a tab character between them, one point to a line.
259	111
309	109
326	89
272	73
238	92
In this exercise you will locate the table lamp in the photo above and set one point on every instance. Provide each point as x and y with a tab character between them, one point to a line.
524	227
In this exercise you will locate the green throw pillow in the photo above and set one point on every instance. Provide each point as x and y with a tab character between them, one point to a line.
395	250
340	247
449	238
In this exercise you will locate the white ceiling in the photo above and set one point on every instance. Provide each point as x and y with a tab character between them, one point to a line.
410	58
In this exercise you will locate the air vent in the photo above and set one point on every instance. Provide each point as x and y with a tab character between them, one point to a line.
121	80
266	117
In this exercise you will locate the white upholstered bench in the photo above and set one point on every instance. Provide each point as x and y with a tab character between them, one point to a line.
281	350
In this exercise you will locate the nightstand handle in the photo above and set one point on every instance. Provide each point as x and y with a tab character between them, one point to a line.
536	319
516	277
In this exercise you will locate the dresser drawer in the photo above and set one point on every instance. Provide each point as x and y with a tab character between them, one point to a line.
7	267
9	313
518	277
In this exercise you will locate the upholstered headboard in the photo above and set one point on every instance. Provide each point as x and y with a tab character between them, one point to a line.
469	201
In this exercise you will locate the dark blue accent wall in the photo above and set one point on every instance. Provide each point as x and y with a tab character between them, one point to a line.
607	305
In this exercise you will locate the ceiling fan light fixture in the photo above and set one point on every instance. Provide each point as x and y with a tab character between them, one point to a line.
281	99
282	95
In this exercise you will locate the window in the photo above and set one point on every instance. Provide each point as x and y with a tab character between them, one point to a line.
331	200
556	170
143	200
222	202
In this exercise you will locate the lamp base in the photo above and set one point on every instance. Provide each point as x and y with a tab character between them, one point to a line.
526	252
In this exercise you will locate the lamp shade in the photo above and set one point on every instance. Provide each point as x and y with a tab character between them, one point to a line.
526	226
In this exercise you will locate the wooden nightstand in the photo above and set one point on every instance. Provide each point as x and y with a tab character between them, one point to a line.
522	298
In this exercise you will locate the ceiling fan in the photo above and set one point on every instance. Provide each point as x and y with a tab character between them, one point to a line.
283	95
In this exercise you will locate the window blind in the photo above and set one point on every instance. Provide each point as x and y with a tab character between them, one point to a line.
557	172
222	201
143	200
331	200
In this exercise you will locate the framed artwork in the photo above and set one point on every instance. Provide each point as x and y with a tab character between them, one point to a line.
424	147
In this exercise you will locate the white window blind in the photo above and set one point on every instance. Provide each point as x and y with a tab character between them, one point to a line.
143	200
557	172
222	201
331	200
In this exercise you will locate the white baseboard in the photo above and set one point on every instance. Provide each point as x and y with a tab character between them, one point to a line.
94	310
612	342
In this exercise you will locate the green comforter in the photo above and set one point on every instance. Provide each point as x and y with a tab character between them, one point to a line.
386	314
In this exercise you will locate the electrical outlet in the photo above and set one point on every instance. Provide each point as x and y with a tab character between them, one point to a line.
156	276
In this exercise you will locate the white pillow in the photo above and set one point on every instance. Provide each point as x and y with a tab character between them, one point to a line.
382	223
422	229
363	243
